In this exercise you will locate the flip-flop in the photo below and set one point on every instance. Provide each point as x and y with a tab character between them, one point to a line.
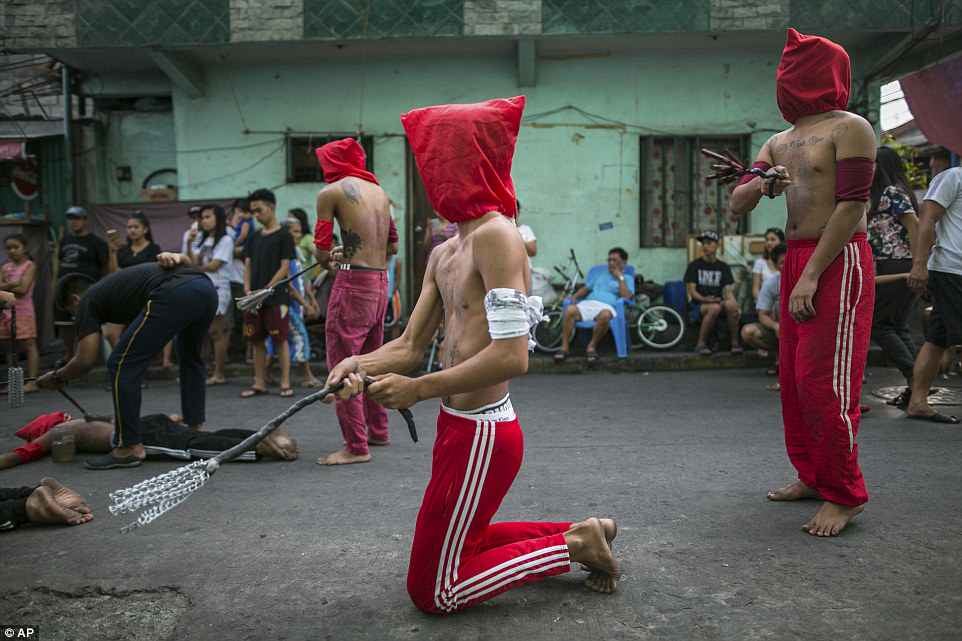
935	417
591	357
213	382
312	384
560	357
738	350
110	462
286	392
251	392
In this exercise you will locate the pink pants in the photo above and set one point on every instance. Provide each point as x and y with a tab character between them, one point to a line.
458	557
355	325
821	362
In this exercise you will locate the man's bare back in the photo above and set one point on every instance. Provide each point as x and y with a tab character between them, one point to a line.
363	213
454	270
808	152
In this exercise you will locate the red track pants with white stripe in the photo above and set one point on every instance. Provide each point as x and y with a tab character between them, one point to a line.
458	557
821	362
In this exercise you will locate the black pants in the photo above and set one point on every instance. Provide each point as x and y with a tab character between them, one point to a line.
237	348
895	305
13	506
185	311
160	433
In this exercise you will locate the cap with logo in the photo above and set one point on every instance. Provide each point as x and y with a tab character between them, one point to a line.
76	211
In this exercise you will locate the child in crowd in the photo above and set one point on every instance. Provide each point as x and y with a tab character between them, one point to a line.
17	277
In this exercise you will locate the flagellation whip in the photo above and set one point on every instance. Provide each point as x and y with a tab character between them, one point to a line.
254	300
160	494
728	168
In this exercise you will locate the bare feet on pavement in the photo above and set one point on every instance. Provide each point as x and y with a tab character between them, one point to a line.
50	506
343	457
600	581
831	519
796	491
588	544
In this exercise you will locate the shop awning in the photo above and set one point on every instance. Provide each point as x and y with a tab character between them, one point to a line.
21	130
933	95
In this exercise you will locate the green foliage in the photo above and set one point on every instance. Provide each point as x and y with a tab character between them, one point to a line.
917	176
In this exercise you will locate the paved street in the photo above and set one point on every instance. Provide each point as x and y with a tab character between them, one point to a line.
276	550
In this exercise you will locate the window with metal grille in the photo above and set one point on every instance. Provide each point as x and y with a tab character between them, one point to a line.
302	164
676	198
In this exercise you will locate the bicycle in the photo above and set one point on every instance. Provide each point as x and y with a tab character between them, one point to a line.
657	326
547	335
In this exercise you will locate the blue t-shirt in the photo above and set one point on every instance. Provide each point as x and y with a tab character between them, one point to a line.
605	287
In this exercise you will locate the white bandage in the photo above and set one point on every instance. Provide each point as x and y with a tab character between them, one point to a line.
511	313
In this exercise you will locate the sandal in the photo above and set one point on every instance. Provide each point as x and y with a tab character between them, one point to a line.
110	462
211	382
935	417
316	383
560	357
286	392
591	357
251	392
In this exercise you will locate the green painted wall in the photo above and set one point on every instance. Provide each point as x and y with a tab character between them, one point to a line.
142	140
570	176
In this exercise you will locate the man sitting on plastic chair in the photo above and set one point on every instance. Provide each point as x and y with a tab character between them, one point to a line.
607	290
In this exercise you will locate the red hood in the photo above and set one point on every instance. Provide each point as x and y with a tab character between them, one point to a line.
464	155
814	76
343	158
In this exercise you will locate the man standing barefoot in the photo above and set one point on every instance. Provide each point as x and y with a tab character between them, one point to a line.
477	282
824	164
355	312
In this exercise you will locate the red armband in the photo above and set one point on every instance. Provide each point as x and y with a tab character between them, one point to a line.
758	164
853	179
392	236
324	235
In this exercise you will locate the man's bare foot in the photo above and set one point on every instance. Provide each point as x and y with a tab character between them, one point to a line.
831	519
30	388
343	457
599	581
42	507
65	496
588	545
796	491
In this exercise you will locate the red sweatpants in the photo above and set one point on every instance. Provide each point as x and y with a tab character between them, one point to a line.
458	557
355	325
821	362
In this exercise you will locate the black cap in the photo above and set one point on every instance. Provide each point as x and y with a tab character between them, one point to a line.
708	235
194	210
76	211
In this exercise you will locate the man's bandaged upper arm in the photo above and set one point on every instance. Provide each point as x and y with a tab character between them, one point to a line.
511	313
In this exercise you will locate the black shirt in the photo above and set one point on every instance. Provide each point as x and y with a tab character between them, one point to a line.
127	258
709	278
266	252
83	255
120	297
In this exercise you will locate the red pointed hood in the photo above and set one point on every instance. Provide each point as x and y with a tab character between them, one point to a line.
814	76
343	158
464	155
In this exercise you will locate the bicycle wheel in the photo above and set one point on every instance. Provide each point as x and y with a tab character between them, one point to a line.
660	327
547	335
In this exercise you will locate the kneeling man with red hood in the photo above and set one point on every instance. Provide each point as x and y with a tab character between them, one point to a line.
476	281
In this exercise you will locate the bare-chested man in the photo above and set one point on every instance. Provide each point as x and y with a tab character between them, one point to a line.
355	313
476	281
824	165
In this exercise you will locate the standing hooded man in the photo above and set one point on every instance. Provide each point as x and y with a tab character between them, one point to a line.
824	165
355	313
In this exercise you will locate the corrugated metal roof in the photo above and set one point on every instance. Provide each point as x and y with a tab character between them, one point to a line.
26	129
